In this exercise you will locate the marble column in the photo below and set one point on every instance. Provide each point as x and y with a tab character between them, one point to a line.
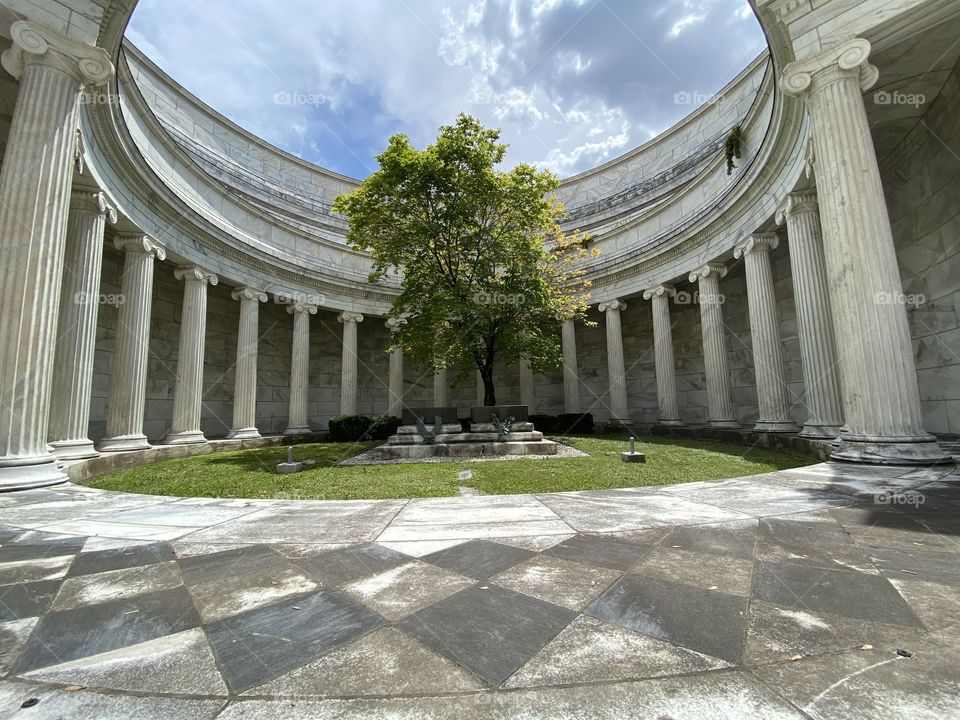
882	415
773	396
818	352
348	380
571	377
128	379
188	393
395	387
34	201
526	386
76	340
300	368
440	388
245	377
616	373
668	412
716	364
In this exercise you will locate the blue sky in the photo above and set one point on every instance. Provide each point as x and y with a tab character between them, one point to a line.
572	83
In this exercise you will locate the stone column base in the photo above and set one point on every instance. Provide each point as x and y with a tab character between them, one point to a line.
304	430
891	453
124	443
723	424
32	473
244	434
820	432
74	449
187	437
776	427
670	423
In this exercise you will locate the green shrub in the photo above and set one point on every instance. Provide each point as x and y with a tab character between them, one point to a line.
575	423
348	428
382	427
546	424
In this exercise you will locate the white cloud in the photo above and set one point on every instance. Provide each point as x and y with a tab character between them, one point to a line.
570	82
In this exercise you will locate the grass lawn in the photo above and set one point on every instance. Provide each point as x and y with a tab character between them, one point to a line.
252	473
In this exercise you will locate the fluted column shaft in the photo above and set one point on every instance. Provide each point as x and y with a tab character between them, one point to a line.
34	200
668	412
348	380
440	388
395	387
526	385
128	379
616	373
882	414
716	364
245	377
571	376
818	352
188	392
480	394
76	339
300	369
773	396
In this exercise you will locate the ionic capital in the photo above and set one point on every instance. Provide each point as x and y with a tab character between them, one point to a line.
195	274
140	243
93	202
296	307
797	203
249	293
701	273
347	316
849	58
34	44
395	323
758	242
659	291
612	306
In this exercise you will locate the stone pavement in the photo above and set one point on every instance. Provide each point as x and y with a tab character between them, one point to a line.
784	595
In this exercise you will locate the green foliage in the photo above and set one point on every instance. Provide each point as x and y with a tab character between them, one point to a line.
382	427
348	428
575	423
732	146
564	424
486	269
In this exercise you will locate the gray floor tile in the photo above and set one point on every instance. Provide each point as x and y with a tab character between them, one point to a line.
491	631
228	564
259	645
840	592
605	552
707	621
339	567
479	558
40	545
120	558
941	567
93	629
27	600
735	540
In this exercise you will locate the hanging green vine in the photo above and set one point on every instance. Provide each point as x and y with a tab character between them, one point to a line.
733	146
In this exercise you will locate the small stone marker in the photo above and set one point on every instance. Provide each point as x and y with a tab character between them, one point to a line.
289	466
633	455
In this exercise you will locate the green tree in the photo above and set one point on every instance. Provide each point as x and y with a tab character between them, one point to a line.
486	268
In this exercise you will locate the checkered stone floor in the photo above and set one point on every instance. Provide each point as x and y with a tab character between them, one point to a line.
787	595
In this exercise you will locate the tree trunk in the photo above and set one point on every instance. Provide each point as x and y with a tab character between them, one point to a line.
489	392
